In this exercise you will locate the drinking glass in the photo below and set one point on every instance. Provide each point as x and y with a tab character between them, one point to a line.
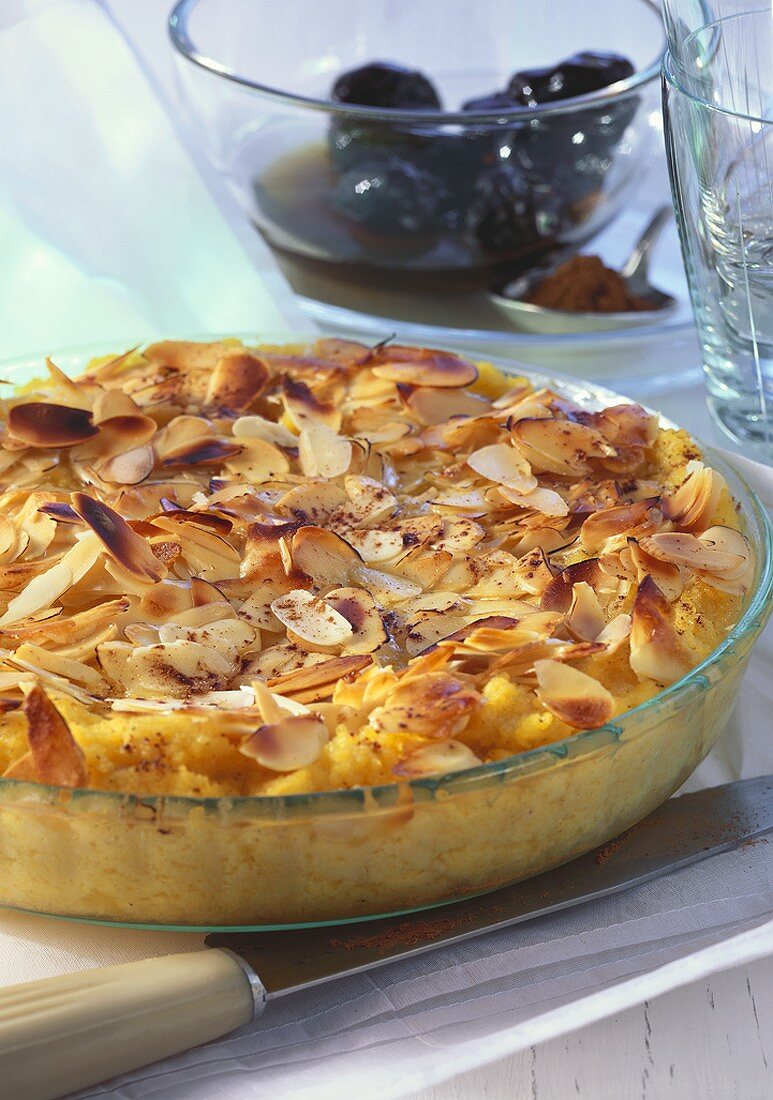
718	112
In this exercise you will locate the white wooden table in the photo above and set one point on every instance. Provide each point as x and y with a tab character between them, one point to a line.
708	1041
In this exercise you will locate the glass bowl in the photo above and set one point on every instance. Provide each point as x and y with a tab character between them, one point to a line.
266	862
468	197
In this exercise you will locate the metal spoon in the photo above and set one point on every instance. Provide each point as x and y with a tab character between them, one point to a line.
533	318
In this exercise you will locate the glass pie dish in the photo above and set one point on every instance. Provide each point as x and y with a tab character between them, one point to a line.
332	856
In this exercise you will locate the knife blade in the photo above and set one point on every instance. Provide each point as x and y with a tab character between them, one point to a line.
62	1034
682	831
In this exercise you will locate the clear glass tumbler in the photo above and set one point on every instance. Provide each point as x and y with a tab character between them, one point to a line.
718	111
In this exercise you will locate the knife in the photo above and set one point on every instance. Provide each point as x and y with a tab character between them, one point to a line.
62	1034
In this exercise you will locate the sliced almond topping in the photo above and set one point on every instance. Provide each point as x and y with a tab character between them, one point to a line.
558	446
695	553
359	609
237	380
619	520
319	680
693	505
284	746
370	500
314	502
41	424
436	758
201	452
433	406
312	619
546	501
666	575
322	452
129	468
303	407
573	696
323	555
129	549
422	367
57	757
615	632
657	652
585	618
376	545
256	427
435	705
502	464
385	588
258	460
736	581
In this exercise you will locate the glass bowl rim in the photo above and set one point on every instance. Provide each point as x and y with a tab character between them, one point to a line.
670	70
392	795
178	28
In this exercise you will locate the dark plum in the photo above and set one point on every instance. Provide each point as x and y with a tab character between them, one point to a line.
508	215
494	101
580	74
384	84
571	153
389	197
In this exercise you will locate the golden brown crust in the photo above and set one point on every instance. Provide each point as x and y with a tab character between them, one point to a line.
364	536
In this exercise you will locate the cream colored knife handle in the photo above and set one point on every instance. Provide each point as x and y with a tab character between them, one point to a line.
62	1034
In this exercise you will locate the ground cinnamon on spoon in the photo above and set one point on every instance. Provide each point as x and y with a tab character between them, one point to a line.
583	284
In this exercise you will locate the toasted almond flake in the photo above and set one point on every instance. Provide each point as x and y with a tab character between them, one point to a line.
433	406
657	653
436	758
585	618
619	520
546	501
436	705
430	627
501	463
205	451
734	544
39	593
681	548
7	539
258	460
312	619
385	588
178	669
359	609
313	502
573	696
694	504
319	679
42	424
35	656
322	452
615	632
257	427
238	379
667	576
422	367
323	555
558	446
129	468
472	500
57	757
376	545
284	746
370	500
303	407
129	549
